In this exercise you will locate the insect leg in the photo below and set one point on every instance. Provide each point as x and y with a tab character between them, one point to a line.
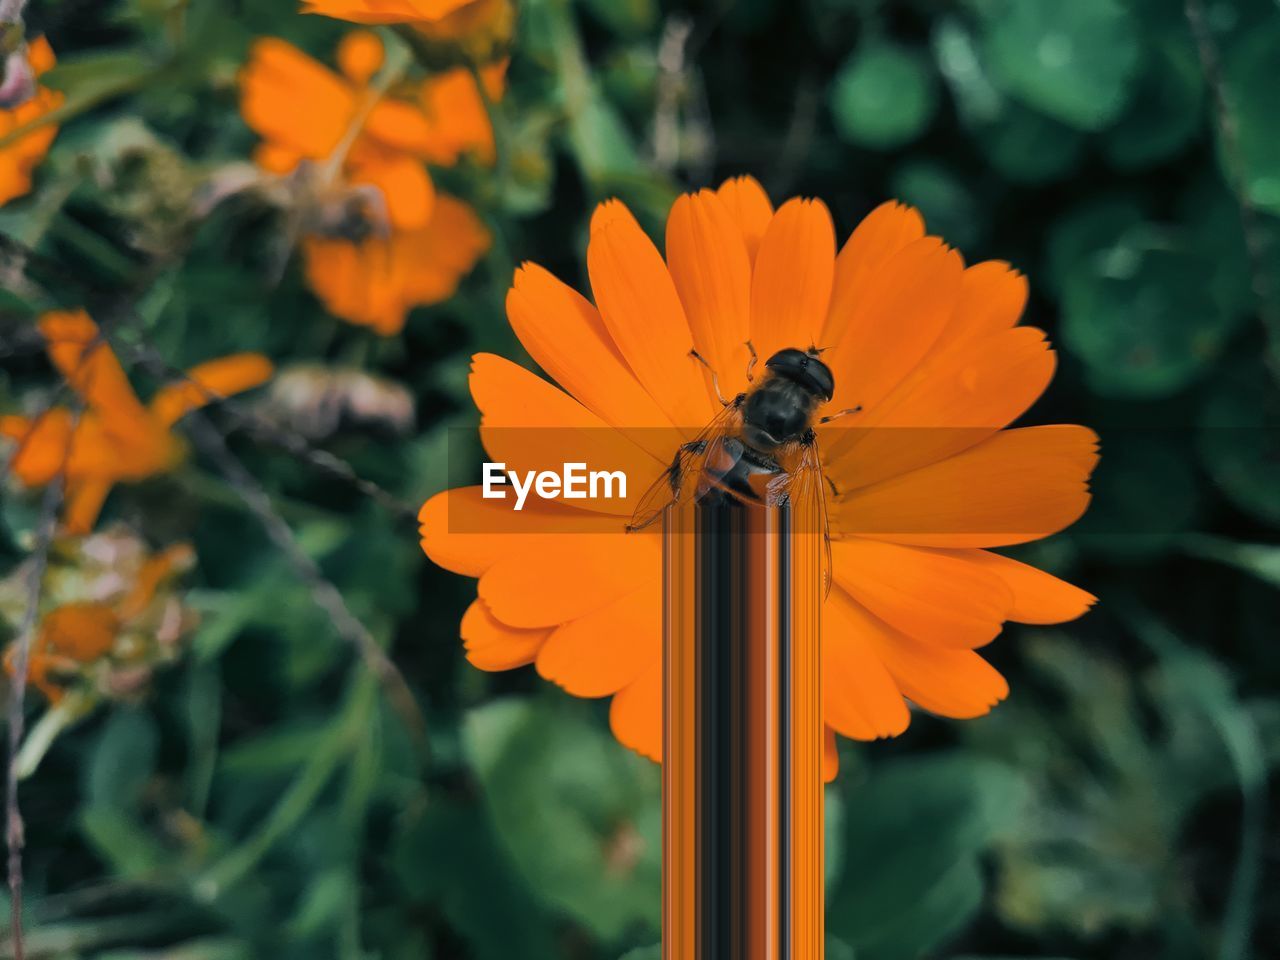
842	413
715	377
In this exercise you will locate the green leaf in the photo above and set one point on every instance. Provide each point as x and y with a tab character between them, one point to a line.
1076	237
1165	110
627	18
123	760
87	81
1071	60
909	886
884	96
1028	147
451	858
579	814
1239	440
1141	317
1146	494
946	202
1249	74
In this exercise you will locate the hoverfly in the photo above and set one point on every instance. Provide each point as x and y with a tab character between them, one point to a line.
762	448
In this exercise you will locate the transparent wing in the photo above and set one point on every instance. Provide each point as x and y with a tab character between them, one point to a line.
679	482
802	484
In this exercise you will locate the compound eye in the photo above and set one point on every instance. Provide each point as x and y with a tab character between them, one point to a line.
787	361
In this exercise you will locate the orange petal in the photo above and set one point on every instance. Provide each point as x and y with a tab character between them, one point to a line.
880	337
943	680
463	532
84	502
881	234
1019	485
1038	597
528	424
642	312
274	158
82	631
398	126
860	699
289	98
750	208
406	189
601	652
932	595
952	402
158	570
712	272
568	576
791	284
385	11
360	55
565	336
40	55
992	298
492	645
209	382
456	116
636	714
85	359
436	258
43	445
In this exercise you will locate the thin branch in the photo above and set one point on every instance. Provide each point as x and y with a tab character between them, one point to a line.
243	418
1255	238
14	832
323	593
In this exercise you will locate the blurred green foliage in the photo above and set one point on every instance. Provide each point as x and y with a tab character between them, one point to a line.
264	801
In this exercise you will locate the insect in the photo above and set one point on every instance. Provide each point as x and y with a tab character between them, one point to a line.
762	448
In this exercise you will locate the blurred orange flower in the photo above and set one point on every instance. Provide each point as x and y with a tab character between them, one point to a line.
20	158
375	282
373	271
115	438
915	339
388	11
78	634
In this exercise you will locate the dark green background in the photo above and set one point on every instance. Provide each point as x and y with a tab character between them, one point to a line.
264	803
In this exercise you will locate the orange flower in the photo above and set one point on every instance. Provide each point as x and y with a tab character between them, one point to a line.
913	336
19	159
359	139
388	11
306	112
78	634
376	282
115	438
